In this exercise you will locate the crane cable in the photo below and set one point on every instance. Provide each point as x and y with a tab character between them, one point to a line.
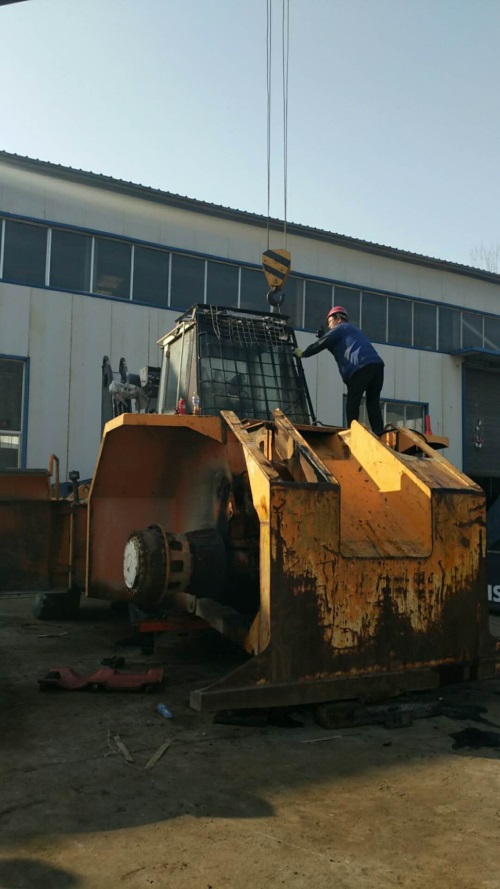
276	262
269	58
285	35
285	46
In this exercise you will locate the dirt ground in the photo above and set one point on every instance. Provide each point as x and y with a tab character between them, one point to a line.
227	807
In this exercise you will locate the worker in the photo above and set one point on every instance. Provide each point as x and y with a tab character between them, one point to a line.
360	366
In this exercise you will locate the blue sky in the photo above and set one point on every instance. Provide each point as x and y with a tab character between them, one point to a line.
393	123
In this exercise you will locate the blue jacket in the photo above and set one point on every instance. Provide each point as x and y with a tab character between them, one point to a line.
349	346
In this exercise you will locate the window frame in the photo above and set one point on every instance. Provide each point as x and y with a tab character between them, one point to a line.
300	321
384	403
22	433
28	224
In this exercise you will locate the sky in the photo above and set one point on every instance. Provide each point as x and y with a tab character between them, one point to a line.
393	108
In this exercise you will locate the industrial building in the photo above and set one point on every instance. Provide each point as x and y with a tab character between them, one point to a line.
93	266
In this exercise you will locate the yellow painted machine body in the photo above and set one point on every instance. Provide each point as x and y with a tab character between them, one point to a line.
346	566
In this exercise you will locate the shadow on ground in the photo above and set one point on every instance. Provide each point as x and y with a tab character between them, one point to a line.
20	873
62	773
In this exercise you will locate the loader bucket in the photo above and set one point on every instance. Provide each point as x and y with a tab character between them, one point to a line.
372	571
345	568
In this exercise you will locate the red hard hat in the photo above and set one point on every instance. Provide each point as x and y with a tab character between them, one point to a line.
338	310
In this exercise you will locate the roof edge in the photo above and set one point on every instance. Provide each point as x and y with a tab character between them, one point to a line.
144	192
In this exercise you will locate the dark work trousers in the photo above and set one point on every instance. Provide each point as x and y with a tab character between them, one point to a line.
369	379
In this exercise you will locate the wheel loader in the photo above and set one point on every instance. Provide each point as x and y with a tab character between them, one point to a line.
344	565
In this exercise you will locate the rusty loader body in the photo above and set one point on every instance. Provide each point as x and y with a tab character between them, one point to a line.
346	566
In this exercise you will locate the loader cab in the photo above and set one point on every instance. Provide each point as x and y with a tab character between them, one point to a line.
234	360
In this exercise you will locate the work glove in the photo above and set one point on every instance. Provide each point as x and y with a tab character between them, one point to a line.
320	332
297	353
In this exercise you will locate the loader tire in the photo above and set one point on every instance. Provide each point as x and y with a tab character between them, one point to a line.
56	605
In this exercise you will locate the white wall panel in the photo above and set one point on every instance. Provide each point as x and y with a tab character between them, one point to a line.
330	390
22	192
130	335
40	196
179	229
328	261
14	319
93	207
451	409
384	275
310	366
158	319
142	219
161	321
49	350
388	356
430	377
215	239
405	372
67	202
359	269
408	280
457	290
249	246
90	341
66	336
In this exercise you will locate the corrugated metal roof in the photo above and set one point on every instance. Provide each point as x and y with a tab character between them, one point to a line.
146	192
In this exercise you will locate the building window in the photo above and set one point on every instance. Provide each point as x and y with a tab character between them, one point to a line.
293	304
253	290
11	412
70	260
188	281
318	302
492	334
449	329
151	276
400	321
373	316
351	301
397	413
161	278
222	284
424	325
472	330
112	268
25	253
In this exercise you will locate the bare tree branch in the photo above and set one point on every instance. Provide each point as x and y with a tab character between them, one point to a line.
486	257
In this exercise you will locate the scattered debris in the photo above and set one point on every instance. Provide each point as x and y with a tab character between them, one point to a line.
109	741
163	710
116	661
50	635
156	756
315	740
106	679
123	750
